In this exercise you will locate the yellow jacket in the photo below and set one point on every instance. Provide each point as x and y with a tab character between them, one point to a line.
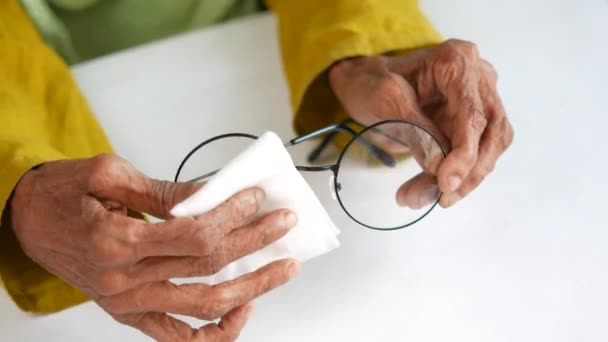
44	117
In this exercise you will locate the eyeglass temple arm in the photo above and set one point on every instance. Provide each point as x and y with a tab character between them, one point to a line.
206	175
334	129
316	152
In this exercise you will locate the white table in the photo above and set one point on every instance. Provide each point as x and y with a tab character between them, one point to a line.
524	258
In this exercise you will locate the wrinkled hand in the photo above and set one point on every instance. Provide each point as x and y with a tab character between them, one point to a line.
447	89
70	217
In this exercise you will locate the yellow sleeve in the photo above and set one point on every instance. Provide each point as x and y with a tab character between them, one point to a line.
44	117
314	34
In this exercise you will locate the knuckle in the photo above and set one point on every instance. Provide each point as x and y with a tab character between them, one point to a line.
451	68
387	86
130	234
455	61
264	232
110	283
487	169
236	209
467	48
504	134
166	195
111	305
203	239
217	306
105	251
489	70
509	136
477	178
388	95
100	171
248	202
469	156
196	267
218	260
478	121
264	284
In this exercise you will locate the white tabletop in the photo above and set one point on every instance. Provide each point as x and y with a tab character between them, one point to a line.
523	258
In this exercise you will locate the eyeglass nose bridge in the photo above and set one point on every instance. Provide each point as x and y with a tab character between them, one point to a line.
334	186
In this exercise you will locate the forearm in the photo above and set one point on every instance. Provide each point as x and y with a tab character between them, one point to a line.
44	118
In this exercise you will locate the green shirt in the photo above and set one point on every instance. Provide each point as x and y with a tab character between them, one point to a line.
83	29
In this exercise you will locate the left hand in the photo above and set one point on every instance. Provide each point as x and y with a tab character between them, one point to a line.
447	89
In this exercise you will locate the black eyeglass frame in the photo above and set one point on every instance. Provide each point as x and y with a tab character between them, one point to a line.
333	130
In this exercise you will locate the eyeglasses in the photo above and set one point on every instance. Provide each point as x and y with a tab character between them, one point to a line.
376	163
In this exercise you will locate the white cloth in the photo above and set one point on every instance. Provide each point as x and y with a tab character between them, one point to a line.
267	164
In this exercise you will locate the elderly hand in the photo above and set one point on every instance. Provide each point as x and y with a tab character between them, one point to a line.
70	217
447	89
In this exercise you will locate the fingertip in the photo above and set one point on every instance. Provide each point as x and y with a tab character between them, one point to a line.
259	194
234	321
248	310
290	219
401	197
293	268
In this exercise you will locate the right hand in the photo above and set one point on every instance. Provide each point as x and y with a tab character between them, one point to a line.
70	216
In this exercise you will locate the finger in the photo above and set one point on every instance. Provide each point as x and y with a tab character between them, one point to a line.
398	138
418	192
469	125
242	242
163	327
201	300
234	246
410	64
495	140
159	326
230	326
453	72
483	167
422	137
199	236
113	178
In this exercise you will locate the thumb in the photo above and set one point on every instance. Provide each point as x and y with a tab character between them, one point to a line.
115	179
158	197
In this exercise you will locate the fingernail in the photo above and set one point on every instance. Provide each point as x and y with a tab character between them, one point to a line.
259	195
289	219
293	269
418	200
249	310
454	182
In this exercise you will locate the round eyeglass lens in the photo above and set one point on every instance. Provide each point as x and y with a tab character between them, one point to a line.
210	156
386	178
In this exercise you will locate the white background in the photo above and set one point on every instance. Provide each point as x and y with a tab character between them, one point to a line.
524	258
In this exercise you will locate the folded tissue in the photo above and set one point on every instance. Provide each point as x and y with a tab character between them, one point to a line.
267	164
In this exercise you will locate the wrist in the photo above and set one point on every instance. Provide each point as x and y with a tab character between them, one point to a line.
20	191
